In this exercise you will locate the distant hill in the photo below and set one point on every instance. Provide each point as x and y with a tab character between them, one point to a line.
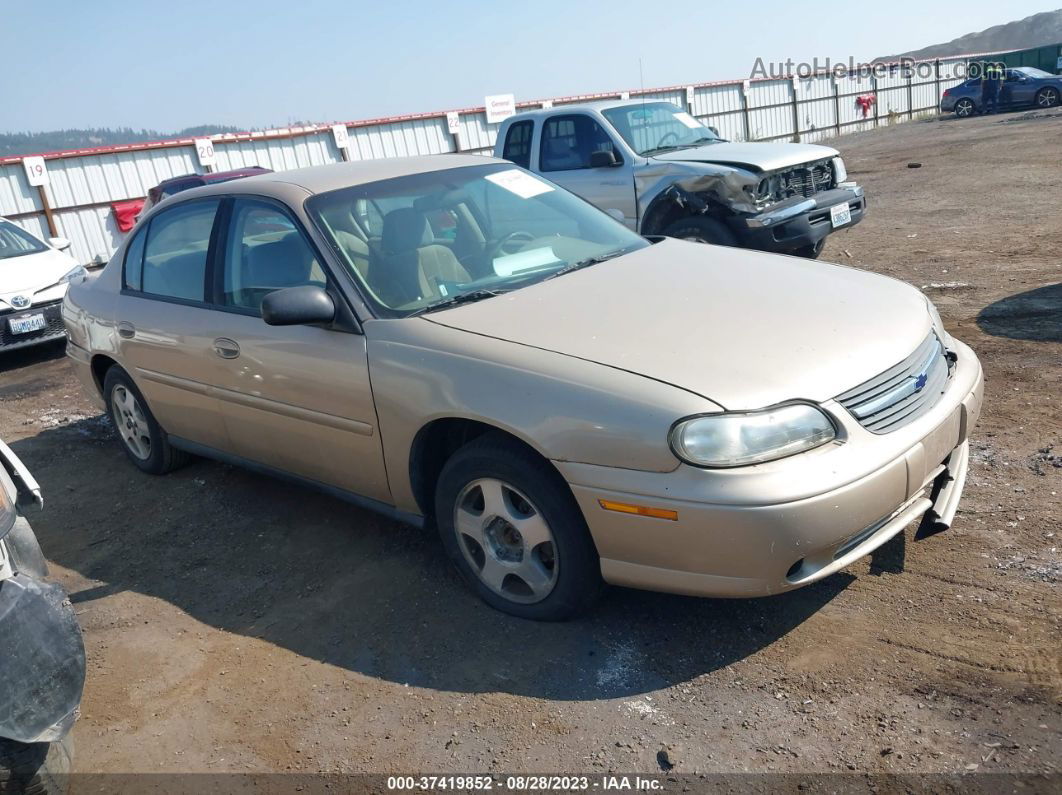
31	143
1034	31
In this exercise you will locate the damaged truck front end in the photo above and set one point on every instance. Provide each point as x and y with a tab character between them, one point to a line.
43	670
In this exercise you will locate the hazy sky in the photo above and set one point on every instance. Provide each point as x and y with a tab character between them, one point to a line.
105	63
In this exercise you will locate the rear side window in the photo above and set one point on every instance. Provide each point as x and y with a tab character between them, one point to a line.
175	252
133	266
517	147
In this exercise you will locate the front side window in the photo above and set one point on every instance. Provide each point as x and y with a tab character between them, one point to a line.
265	251
517	147
175	252
568	142
462	234
654	127
17	242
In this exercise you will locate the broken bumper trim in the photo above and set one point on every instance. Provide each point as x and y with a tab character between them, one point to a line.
798	223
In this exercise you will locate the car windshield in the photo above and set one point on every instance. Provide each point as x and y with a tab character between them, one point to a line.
655	127
426	241
16	242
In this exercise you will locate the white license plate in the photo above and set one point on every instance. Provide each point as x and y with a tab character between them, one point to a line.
840	214
26	324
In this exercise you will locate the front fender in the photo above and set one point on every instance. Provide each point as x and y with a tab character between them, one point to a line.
567	409
711	183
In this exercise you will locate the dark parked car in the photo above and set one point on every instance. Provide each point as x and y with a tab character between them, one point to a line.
1023	86
168	187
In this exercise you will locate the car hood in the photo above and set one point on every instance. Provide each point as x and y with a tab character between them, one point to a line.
757	156
741	328
31	272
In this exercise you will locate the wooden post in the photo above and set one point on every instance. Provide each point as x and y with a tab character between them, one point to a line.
745	110
837	104
53	230
796	109
910	97
874	93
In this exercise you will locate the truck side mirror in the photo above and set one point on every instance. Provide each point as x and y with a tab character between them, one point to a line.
715	130
603	158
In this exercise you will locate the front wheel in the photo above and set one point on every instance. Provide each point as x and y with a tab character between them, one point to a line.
1047	97
34	768
701	229
513	529
811	252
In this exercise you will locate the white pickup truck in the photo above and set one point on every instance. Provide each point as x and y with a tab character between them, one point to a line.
662	172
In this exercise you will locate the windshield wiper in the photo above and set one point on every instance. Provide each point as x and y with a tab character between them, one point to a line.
460	298
585	263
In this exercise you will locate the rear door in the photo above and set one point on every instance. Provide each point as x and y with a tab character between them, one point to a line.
296	398
164	341
566	142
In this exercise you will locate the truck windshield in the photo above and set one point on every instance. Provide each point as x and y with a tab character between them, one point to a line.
427	241
658	127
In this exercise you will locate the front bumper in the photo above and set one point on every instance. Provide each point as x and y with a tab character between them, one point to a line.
53	326
767	528
798	223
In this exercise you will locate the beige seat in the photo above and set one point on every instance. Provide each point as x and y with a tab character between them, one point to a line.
411	266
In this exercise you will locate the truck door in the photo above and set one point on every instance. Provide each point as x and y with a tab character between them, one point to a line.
566	155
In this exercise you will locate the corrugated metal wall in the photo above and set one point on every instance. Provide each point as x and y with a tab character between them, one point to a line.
82	186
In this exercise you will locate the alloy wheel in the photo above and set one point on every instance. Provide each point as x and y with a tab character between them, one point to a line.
964	108
506	540
1047	98
130	421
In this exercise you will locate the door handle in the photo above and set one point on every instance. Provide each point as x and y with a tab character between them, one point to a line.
226	348
126	330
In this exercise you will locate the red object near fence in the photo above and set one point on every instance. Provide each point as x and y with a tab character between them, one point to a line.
865	102
125	213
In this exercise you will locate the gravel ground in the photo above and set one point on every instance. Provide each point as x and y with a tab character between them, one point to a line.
236	623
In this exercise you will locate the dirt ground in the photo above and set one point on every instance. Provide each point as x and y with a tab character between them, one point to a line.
237	623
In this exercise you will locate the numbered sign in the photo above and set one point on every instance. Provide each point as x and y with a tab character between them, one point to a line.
499	107
625	95
453	122
689	95
339	133
204	150
547	104
36	170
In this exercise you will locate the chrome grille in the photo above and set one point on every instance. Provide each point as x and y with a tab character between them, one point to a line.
902	393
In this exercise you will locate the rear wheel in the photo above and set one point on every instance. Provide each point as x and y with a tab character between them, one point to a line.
700	229
34	768
965	107
511	526
1047	97
142	438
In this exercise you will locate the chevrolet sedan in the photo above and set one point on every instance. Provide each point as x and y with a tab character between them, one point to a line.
461	344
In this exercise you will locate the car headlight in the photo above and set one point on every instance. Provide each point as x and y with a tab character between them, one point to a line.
734	439
840	173
73	274
938	324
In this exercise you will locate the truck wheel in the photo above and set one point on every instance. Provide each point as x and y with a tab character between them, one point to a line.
699	229
811	252
35	768
142	438
511	526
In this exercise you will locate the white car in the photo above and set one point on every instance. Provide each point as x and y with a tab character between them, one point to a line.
34	276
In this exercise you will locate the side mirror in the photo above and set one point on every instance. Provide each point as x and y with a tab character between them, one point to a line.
715	130
59	243
298	306
603	158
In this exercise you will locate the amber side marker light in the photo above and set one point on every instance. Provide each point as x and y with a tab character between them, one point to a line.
638	510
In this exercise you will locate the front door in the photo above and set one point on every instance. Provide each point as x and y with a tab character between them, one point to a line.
566	144
293	397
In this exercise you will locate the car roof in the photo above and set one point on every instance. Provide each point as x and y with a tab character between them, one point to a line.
321	179
598	105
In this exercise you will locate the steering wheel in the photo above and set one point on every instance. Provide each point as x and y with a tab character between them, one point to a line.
664	138
501	247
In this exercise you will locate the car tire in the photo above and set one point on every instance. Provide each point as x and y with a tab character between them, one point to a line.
552	573
811	252
701	229
35	768
139	433
965	108
1047	97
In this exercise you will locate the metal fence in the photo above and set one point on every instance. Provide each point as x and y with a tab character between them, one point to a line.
76	203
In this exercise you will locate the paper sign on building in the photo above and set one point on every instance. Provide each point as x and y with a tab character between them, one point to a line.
499	107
